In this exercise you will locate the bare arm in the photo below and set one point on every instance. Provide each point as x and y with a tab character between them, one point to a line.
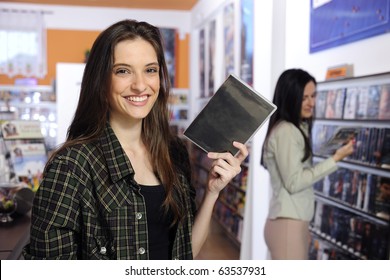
224	168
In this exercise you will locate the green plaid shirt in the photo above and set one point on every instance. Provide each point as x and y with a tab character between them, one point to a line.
88	206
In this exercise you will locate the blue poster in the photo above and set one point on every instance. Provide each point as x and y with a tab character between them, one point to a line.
338	22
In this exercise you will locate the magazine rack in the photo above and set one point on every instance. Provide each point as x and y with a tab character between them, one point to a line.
353	204
30	103
23	147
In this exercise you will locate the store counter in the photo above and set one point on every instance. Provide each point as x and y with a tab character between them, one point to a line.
13	237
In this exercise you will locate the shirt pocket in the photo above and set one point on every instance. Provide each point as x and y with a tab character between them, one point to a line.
114	196
114	236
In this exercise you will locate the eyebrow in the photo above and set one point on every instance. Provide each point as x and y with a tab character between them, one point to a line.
128	65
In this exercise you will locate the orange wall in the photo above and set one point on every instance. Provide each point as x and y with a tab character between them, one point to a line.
70	46
182	63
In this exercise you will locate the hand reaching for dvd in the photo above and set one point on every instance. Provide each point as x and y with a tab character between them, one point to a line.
344	151
225	167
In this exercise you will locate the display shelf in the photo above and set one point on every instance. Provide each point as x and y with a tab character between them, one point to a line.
24	152
343	205
354	201
31	103
27	88
350	231
326	247
24	156
358	166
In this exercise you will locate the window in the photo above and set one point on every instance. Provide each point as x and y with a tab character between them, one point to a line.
22	43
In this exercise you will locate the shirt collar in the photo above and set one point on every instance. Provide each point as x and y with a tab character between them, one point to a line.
304	126
118	163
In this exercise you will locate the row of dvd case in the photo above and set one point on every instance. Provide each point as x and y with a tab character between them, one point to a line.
351	233
372	145
357	102
359	190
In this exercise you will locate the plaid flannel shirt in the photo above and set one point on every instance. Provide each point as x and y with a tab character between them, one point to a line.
88	205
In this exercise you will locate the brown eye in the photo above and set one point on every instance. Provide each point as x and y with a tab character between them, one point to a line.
121	71
152	70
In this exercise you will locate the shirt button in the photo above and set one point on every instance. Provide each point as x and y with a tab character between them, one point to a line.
138	216
103	250
141	251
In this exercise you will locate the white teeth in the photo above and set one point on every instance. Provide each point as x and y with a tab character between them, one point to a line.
137	98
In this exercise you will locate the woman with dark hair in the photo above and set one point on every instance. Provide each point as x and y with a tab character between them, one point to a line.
120	186
287	155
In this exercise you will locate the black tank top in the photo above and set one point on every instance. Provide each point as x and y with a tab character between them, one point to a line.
160	234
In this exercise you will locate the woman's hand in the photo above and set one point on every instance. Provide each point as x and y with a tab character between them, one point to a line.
225	167
344	151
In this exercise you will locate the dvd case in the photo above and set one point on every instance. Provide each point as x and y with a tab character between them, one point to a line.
234	113
340	136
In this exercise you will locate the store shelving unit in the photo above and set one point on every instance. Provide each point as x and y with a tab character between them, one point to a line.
352	218
31	103
23	152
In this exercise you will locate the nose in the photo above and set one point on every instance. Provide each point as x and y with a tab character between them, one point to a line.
138	83
312	101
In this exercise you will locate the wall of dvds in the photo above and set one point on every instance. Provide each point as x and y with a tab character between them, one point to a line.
352	217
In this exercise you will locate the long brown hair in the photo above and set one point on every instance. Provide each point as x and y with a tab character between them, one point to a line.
92	111
288	98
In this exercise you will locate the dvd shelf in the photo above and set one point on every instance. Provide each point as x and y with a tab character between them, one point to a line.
352	213
230	206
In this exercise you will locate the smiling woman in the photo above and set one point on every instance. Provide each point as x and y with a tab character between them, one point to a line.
135	81
120	186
